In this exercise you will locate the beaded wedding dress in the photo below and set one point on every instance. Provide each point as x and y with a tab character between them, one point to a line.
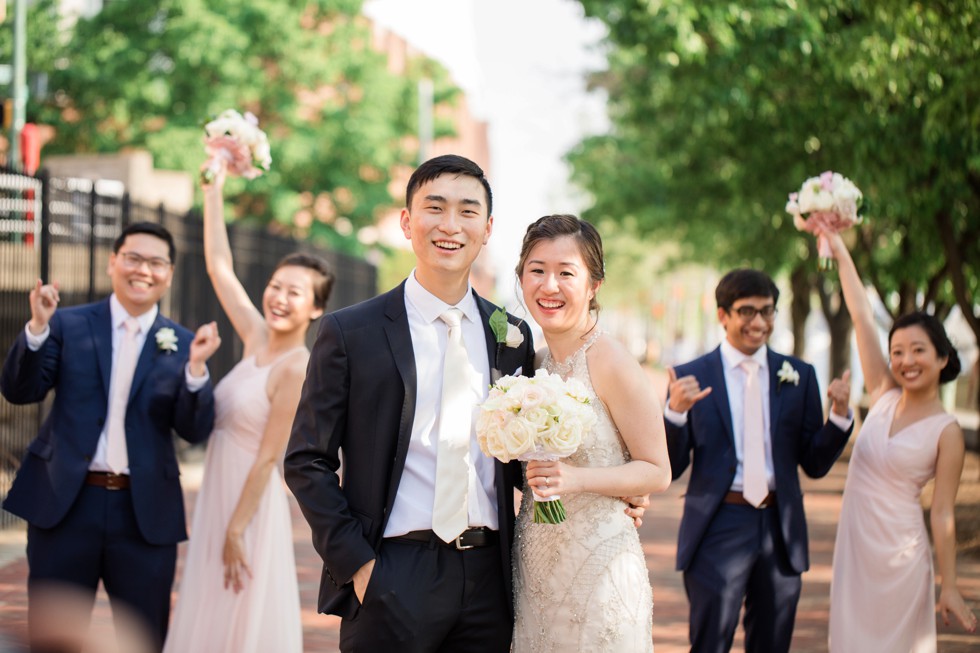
582	585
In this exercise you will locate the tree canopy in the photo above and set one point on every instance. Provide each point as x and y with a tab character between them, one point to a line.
719	109
150	74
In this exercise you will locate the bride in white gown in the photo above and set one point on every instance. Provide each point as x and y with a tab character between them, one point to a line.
582	585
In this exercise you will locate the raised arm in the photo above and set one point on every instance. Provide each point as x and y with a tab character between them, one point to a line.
245	318
877	378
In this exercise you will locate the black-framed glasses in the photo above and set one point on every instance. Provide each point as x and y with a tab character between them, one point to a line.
134	261
748	313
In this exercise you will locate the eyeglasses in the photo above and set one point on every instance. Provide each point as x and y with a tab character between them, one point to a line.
748	313
134	261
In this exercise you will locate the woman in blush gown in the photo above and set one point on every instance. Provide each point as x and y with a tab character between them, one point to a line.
882	596
583	585
238	591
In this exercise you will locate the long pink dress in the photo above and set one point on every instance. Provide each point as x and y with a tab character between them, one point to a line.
882	597
265	615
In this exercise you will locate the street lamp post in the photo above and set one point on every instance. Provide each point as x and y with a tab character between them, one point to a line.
19	82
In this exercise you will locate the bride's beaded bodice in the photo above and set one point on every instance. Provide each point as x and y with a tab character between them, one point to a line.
582	585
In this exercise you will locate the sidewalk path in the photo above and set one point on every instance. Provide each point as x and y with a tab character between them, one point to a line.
659	533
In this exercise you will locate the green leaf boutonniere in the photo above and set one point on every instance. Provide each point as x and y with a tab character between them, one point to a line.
505	332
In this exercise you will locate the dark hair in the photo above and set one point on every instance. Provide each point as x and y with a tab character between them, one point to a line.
589	242
447	164
150	228
937	335
744	282
323	276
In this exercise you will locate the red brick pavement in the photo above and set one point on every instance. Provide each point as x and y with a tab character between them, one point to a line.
658	533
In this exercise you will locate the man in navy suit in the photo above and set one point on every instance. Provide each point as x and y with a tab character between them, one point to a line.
94	515
373	398
737	545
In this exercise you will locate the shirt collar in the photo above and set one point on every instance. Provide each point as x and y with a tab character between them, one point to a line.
732	357
118	315
431	307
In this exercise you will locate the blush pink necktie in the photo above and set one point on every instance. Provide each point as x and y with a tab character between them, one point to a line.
755	487
450	515
122	380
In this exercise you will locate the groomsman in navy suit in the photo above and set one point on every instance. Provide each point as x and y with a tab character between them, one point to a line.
744	418
99	484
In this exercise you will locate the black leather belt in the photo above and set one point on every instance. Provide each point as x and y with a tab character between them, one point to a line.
739	500
471	538
108	480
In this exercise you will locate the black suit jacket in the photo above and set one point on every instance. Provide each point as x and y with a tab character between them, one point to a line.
799	436
76	362
359	399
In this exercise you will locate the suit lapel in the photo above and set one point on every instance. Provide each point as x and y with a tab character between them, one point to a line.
147	355
100	323
715	377
504	491
486	309
400	342
775	396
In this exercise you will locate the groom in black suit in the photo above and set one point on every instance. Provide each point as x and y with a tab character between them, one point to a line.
374	399
743	533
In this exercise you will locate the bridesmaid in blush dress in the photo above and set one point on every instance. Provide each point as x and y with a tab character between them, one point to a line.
882	596
238	592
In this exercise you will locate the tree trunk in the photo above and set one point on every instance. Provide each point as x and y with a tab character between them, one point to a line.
799	307
839	323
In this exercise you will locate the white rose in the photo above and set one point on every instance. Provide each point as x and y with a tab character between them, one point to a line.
563	441
516	438
514	336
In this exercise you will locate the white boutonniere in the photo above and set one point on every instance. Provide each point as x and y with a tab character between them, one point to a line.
505	332
787	374
166	339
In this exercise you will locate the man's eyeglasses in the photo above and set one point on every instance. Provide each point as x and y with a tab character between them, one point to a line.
134	261
748	313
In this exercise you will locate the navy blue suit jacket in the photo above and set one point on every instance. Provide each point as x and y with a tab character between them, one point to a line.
76	362
799	435
359	398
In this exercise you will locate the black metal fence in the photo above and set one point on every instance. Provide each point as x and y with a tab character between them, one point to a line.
63	229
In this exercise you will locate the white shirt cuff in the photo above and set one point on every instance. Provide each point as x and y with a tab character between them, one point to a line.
195	383
675	418
843	423
35	342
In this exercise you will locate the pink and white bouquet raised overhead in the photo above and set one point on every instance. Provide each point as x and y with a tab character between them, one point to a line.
535	418
237	139
830	202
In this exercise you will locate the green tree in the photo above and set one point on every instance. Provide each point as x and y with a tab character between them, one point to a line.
719	109
340	123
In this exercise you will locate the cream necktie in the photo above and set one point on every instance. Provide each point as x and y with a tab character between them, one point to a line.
755	487
116	453
449	510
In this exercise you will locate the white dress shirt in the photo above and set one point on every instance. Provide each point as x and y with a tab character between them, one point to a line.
735	377
117	317
412	510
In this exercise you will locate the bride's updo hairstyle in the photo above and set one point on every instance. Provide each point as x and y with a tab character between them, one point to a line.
937	335
551	227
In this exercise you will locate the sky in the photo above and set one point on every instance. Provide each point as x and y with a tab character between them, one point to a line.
522	64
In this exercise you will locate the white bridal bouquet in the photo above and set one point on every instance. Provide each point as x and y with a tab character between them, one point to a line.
539	418
237	139
829	202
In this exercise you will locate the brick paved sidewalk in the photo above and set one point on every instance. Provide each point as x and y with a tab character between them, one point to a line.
658	533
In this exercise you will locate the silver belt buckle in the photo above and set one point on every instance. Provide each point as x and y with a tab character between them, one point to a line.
459	545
